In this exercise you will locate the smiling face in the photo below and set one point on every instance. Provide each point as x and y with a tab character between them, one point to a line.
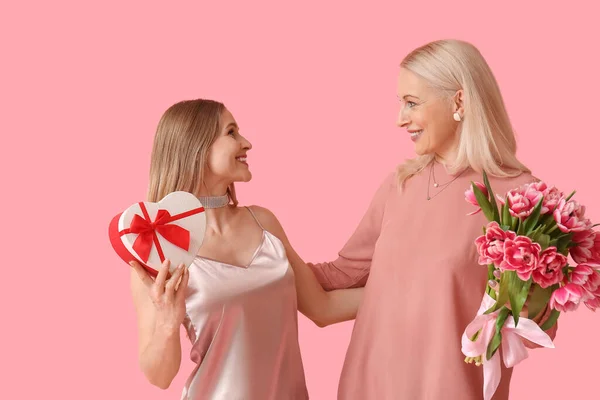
427	115
227	157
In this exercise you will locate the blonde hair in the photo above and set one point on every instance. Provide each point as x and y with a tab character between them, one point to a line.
487	141
185	133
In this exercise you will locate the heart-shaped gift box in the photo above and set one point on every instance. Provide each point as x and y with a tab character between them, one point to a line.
149	232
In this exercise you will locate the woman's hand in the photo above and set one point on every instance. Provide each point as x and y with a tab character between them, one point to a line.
539	319
167	295
160	310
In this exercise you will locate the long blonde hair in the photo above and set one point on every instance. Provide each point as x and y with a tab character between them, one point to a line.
185	133
487	141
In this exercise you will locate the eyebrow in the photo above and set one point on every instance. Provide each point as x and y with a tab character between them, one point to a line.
232	124
410	95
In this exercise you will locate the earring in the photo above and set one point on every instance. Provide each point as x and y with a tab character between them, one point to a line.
457	117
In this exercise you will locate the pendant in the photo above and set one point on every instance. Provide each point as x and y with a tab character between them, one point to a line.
435	185
428	198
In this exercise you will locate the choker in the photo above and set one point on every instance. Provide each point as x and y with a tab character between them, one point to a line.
214	201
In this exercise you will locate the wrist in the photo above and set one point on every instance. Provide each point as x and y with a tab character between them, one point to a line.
166	330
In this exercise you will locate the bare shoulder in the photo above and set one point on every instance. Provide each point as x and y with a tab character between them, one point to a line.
267	219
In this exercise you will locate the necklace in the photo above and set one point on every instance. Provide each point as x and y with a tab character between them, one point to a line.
214	201
435	184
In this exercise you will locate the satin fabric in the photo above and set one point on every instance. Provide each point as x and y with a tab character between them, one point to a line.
243	324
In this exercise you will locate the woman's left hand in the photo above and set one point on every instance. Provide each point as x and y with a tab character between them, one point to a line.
539	319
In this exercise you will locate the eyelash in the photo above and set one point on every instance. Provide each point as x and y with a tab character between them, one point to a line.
411	104
231	132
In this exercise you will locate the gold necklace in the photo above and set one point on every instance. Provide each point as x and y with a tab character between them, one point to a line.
435	184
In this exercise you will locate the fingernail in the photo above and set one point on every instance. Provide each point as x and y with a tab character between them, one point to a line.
492	283
497	273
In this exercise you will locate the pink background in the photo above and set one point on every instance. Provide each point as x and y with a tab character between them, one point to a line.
313	88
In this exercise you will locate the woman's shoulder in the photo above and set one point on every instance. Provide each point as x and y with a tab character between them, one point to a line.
504	184
264	216
388	182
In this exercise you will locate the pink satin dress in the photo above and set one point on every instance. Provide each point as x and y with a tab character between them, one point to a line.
243	325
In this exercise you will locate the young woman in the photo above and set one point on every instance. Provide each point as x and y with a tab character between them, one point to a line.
239	299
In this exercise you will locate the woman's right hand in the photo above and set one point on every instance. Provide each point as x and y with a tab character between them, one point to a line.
167	295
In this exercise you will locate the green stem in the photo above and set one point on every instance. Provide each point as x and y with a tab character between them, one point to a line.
552	230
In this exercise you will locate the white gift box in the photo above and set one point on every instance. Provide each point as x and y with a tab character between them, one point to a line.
149	232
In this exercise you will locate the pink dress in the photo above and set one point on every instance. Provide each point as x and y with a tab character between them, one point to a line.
423	286
243	324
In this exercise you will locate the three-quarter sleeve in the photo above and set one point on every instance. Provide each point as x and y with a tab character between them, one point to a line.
351	269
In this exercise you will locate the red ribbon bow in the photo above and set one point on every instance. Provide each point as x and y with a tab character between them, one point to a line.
147	231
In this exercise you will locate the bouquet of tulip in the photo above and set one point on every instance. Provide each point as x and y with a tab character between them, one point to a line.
532	231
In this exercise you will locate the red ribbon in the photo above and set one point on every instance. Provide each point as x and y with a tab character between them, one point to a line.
147	230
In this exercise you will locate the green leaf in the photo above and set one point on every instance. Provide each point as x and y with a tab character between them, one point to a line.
506	217
502	292
571	195
492	198
534	236
546	218
536	231
551	229
483	202
531	221
521	229
538	300
517	294
551	320
497	339
513	224
491	269
562	243
543	240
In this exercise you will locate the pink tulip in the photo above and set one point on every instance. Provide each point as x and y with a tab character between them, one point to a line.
539	186
522	201
549	271
470	196
595	250
587	248
586	276
552	196
581	274
594	302
584	241
521	255
593	282
570	216
568	297
491	245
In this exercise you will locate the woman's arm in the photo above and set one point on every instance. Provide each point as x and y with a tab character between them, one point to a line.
160	310
351	269
323	308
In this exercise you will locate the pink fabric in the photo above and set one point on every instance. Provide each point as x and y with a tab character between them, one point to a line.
243	324
423	287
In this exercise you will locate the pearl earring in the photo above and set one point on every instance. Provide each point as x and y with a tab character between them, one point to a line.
457	117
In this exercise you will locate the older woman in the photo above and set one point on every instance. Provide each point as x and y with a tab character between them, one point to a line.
414	247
